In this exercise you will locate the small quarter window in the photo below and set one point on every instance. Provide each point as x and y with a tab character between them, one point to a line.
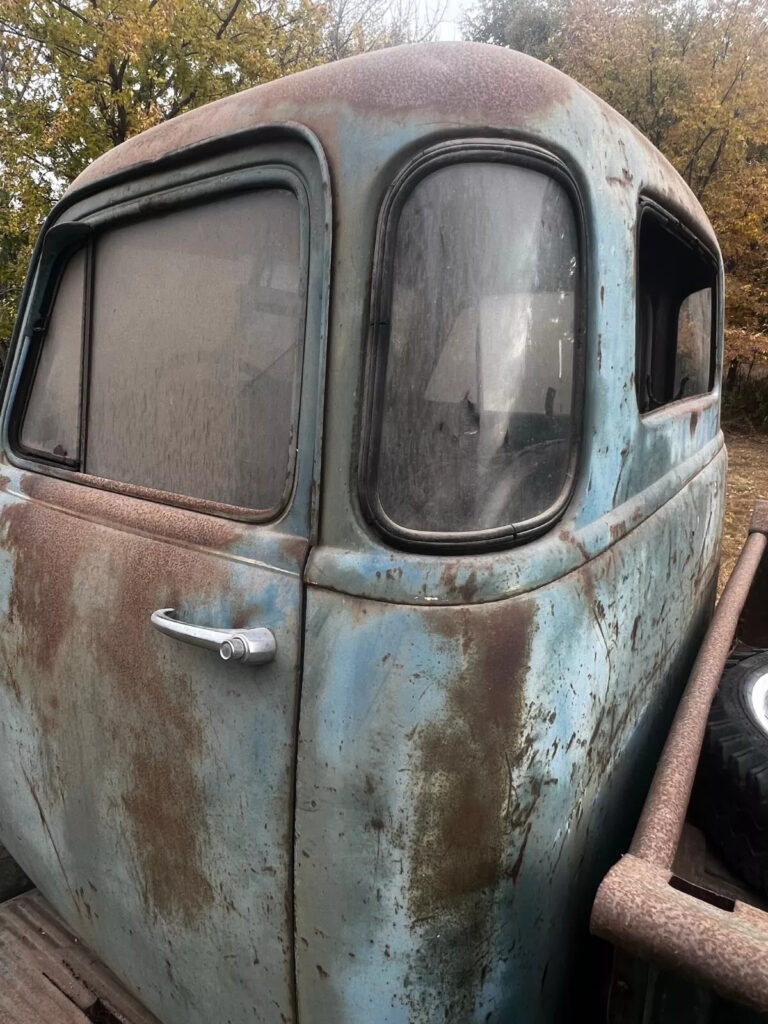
51	423
677	289
477	361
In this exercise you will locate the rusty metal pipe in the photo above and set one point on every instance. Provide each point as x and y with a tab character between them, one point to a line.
726	950
658	832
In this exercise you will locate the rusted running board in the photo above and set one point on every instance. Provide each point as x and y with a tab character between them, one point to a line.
641	906
47	976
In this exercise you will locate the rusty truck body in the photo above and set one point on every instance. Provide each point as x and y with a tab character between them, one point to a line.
360	518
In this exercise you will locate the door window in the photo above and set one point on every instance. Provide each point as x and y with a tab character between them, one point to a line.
195	341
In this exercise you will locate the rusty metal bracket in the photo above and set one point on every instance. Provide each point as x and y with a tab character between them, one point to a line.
636	907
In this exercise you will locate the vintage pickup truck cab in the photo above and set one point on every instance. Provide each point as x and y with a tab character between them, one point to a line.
361	500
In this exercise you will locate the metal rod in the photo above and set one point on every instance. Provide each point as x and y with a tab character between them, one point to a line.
658	831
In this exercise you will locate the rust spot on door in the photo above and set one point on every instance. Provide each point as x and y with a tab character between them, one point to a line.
468	823
40	607
466	590
101	701
463	810
166	810
164	798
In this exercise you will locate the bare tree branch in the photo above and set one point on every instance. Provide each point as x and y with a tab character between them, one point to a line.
71	10
225	23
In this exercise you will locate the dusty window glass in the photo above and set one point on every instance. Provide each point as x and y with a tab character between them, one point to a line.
52	419
675	310
694	342
478	390
196	339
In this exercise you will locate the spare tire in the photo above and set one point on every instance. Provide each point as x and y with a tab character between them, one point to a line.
731	792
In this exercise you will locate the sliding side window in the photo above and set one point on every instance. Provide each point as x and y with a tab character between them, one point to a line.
677	293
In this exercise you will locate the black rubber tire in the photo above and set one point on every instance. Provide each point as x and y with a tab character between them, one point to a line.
731	792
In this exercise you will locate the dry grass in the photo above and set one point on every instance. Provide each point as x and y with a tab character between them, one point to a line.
747	481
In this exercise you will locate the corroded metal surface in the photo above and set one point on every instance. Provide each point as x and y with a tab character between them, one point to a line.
47	976
450	83
726	950
469	725
659	828
147	785
371	114
759	520
724	947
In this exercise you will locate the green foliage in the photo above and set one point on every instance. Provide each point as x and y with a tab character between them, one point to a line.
531	26
80	76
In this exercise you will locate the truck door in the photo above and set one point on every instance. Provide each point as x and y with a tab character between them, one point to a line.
161	429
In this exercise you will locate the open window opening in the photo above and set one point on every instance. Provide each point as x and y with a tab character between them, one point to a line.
676	312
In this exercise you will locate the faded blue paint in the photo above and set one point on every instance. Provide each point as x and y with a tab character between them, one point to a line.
618	595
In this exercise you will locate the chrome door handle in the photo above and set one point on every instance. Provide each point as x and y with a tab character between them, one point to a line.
253	646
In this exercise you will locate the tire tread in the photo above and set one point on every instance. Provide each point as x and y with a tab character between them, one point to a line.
731	792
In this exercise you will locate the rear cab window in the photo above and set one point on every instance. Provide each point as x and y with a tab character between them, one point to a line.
476	374
171	355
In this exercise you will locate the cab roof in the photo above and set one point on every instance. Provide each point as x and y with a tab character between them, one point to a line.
444	86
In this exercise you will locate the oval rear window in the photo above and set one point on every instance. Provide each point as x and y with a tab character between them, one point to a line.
477	403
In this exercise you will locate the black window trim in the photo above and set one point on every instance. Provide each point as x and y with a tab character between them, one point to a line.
57	248
481	150
649	205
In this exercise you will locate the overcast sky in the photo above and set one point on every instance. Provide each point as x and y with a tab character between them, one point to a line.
451	25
